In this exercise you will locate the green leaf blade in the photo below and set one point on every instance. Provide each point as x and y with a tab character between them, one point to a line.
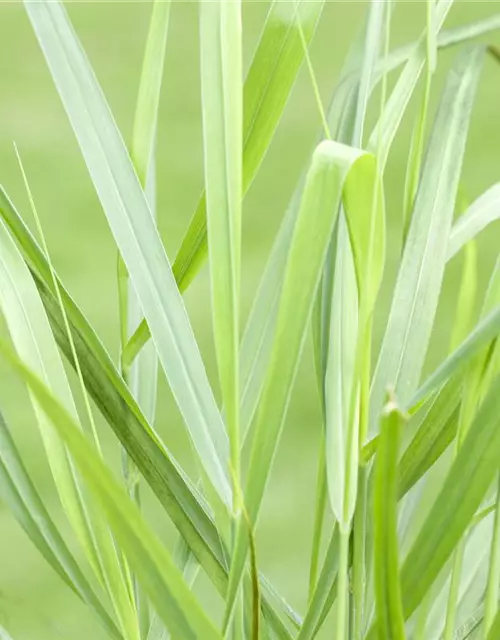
148	557
18	491
463	490
419	280
270	79
385	546
222	110
134	230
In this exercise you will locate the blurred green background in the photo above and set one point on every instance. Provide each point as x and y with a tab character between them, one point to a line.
34	604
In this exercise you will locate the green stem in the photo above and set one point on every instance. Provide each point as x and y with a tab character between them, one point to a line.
359	560
342	586
492	590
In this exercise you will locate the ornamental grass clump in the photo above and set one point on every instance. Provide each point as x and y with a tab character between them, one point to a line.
406	540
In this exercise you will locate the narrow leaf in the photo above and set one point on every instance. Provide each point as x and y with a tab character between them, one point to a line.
147	556
478	216
137	238
419	280
464	488
222	109
271	76
173	489
19	492
385	545
330	165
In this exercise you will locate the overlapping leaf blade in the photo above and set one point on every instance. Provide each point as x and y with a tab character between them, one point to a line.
464	488
33	340
137	238
330	165
164	475
419	280
347	83
18	491
143	373
222	110
270	79
148	557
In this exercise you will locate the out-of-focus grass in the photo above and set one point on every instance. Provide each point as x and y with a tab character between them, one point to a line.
32	600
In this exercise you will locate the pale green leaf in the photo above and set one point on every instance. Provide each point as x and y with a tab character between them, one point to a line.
33	340
270	79
445	39
419	279
143	374
464	313
471	586
135	233
3	634
148	98
112	573
478	216
395	108
314	225
222	110
171	486
484	332
365	218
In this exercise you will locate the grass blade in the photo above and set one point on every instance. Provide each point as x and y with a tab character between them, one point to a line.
464	488
19	492
147	556
417	142
464	320
148	98
113	574
478	216
406	53
33	340
143	374
419	280
177	495
134	230
395	108
324	592
493	586
435	427
359	190
385	546
222	109
270	79
330	165
468	404
445	39
484	332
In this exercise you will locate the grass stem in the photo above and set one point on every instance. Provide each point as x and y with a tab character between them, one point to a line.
342	630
